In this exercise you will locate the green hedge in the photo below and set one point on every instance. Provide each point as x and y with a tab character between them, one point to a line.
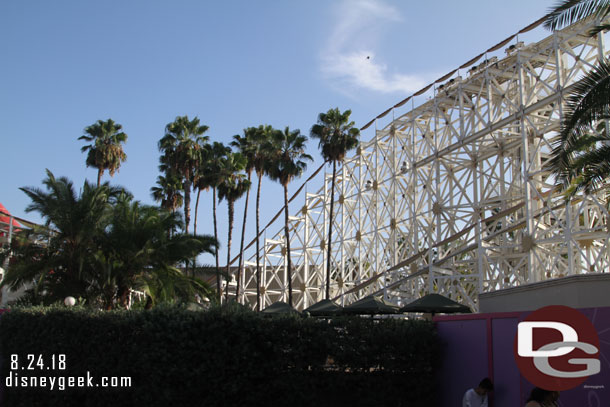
177	357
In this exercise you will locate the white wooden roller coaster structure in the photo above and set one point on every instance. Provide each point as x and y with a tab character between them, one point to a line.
452	196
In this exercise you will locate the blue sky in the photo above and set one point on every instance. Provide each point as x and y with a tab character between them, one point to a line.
234	64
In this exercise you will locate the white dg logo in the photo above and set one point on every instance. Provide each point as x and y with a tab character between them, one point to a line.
525	343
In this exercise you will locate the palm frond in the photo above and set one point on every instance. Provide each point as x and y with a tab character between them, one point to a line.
588	103
567	12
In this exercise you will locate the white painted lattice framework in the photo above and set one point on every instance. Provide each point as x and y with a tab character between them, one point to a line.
451	196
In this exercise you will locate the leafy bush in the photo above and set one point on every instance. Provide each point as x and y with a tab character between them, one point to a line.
221	357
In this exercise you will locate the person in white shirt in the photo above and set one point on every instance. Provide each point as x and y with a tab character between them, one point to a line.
477	397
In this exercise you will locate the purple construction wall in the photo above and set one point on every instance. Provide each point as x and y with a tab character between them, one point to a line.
503	331
481	345
466	351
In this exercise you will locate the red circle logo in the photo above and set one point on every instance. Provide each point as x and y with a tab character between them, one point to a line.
556	348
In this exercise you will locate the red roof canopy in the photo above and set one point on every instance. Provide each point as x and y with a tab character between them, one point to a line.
4	220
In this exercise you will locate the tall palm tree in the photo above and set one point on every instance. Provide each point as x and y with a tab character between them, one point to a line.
261	152
246	146
105	151
200	178
181	147
234	185
580	154
212	176
288	162
336	135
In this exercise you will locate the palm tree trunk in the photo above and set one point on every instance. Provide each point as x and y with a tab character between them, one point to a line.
216	248
123	294
99	176
330	229
187	214
195	229
187	205
287	236
258	249
170	232
196	211
231	215
241	246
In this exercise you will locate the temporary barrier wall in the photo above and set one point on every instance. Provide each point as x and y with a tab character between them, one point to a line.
481	345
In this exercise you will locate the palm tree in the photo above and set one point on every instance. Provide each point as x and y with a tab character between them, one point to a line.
287	163
59	255
580	155
261	152
99	244
579	158
569	11
246	146
168	192
181	147
337	135
234	185
169	285
210	175
200	179
135	246
105	150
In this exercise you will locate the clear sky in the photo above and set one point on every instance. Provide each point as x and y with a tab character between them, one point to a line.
234	64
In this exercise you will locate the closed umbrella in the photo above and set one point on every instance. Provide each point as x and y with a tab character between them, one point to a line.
435	304
370	306
279	308
324	308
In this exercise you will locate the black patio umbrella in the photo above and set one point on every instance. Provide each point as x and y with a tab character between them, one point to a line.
278	308
435	304
324	308
370	306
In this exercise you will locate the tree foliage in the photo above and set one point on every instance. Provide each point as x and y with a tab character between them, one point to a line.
98	245
337	135
105	151
234	185
580	154
181	149
579	159
287	161
568	12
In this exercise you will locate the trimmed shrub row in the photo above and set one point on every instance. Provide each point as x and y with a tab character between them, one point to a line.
177	357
